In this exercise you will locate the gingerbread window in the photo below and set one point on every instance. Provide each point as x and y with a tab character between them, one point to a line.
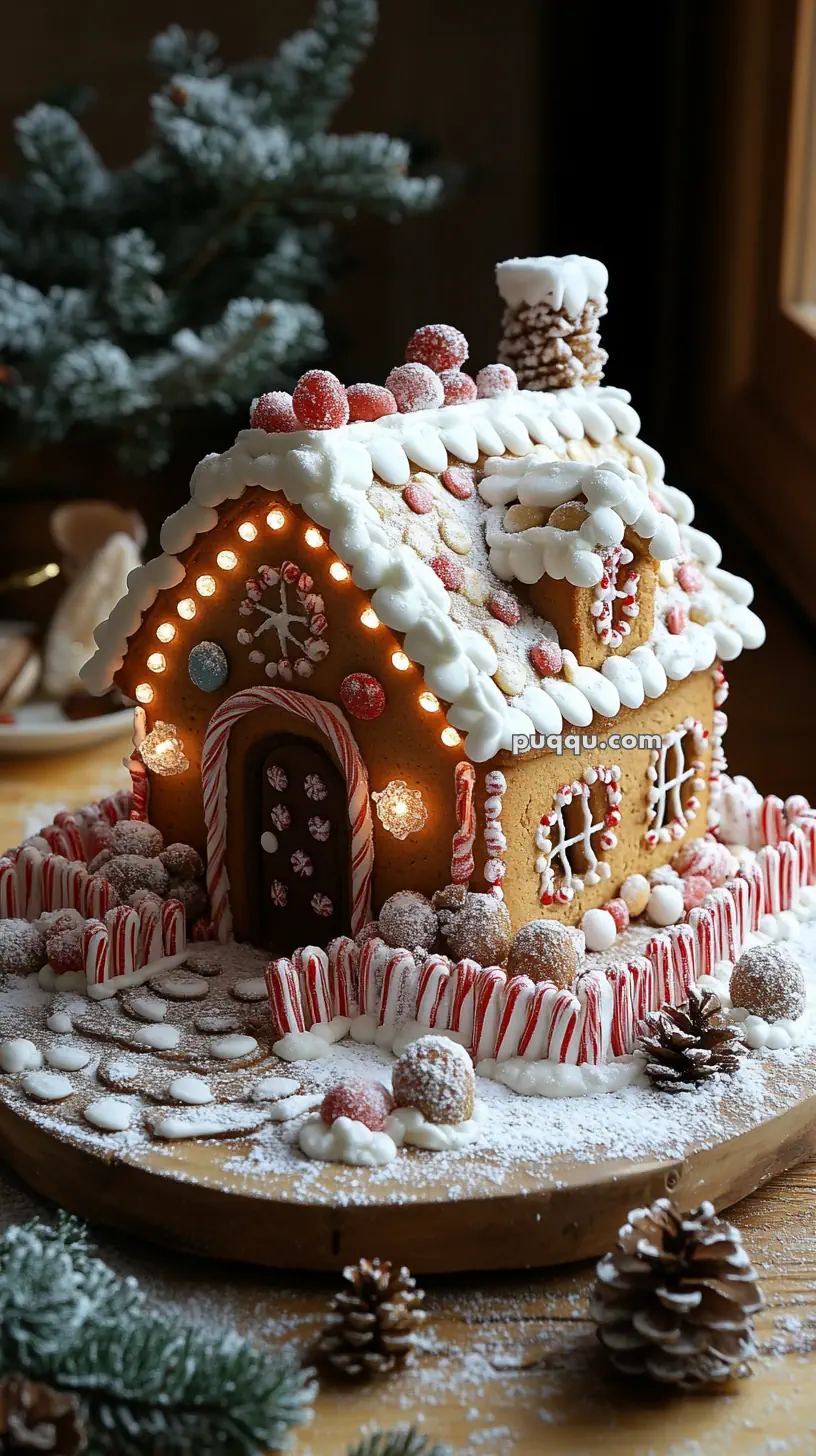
578	832
676	778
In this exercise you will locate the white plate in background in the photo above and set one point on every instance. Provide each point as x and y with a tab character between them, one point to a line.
44	728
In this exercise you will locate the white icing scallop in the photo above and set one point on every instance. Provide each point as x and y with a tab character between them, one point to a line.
271	1089
346	1141
409	1125
60	1023
109	1114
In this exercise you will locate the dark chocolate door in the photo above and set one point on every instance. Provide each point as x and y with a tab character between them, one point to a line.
303	846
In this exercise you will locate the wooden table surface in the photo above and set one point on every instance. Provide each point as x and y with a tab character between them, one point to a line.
511	1365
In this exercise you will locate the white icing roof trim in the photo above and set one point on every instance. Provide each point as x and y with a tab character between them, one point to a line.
328	474
567	282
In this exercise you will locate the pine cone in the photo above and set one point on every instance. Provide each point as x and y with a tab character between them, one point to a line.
676	1297
685	1045
34	1417
374	1321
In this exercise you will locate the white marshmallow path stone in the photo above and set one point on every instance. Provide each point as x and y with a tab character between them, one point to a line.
599	929
193	1091
148	1008
270	1089
67	1058
225	1048
250	988
665	905
60	1023
19	1055
182	988
46	1086
109	1114
160	1037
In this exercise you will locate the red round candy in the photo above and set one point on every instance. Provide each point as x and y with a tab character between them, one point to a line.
370	402
320	401
64	951
415	387
694	888
440	346
458	479
451	573
273	412
546	657
495	379
619	910
677	620
362	696
366	1102
418	498
459	388
504	607
689	577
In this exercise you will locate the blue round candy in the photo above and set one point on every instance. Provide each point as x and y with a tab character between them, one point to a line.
208	666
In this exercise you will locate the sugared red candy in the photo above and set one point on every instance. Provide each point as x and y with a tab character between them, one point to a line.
635	892
451	573
366	1102
706	856
677	620
362	696
689	577
129	872
408	919
440	346
415	387
767	981
320	401
458	480
599	929
504	607
418	499
694	889
435	1075
135	836
459	387
665	905
273	412
370	402
182	861
64	951
478	931
544	950
495	379
546	657
619	910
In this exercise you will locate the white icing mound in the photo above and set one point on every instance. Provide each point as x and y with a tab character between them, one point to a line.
301	1046
332	1031
67	1058
250	988
288	1108
227	1047
567	282
52	980
182	988
559	1079
220	1121
148	1008
109	1114
46	1086
270	1089
19	1055
160	1037
346	1141
364	1029
193	1091
106	989
412	1031
60	1023
409	1125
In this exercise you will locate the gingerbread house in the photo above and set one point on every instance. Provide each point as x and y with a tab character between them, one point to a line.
450	630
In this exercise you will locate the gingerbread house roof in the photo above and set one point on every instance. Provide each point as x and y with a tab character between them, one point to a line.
382	493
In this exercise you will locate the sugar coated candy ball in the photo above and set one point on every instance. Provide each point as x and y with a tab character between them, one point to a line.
544	950
435	1075
599	929
363	1101
694	889
362	696
495	379
706	856
370	402
635	891
129	872
767	981
135	836
459	387
408	919
619	910
440	346
415	387
479	930
665	905
273	412
183	861
320	401
22	946
65	951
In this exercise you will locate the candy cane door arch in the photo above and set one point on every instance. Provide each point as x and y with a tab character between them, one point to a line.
298	845
342	755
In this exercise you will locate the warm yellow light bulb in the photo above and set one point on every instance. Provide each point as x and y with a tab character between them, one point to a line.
276	520
227	560
429	702
186	609
313	537
144	693
247	531
450	738
369	618
156	662
400	661
165	631
205	586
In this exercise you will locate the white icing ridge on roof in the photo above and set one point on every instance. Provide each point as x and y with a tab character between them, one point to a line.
568	282
329	474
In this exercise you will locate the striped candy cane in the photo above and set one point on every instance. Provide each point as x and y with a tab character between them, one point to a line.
772	819
562	1043
788	873
96	952
462	856
8	890
398	995
174	927
682	941
518	994
768	861
313	967
100	897
343	958
53	871
283	991
333	725
533	1040
798	838
622	1032
433	985
752	874
594	993
703	922
658	951
122	923
489	1002
740	892
29	882
463	997
72	834
151	939
373	959
644	986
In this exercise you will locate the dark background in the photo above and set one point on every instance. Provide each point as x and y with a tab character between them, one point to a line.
585	127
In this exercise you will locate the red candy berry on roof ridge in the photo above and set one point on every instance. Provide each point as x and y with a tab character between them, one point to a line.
418	498
320	401
546	657
370	402
415	387
440	346
366	1102
273	412
495	379
362	696
459	388
458	480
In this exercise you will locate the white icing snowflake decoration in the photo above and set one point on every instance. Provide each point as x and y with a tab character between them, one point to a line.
322	905
281	817
301	863
314	787
319	829
297	620
278	778
278	893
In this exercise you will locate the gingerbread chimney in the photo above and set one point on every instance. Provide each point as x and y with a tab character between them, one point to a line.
550	327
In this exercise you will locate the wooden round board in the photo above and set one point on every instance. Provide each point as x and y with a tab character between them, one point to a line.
200	1201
